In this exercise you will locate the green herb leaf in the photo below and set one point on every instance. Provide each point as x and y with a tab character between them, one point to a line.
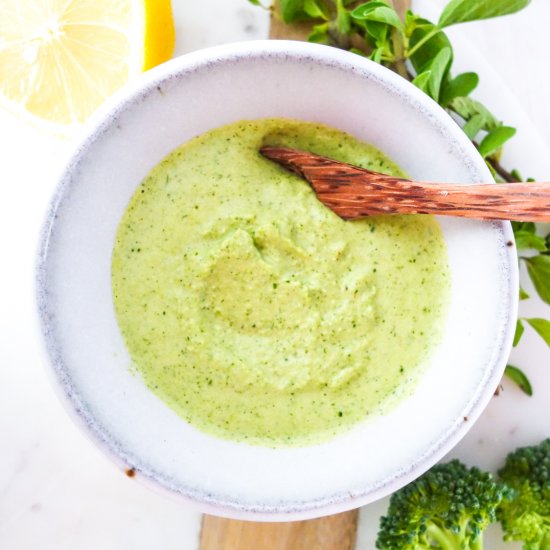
314	10
293	10
474	126
460	86
425	43
518	377
411	22
255	2
495	139
520	329
542	326
538	268
526	240
376	55
523	295
516	175
438	68
467	108
320	34
461	11
528	227
422	80
343	20
370	5
378	32
379	12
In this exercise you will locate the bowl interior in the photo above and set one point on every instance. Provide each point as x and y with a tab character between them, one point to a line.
189	96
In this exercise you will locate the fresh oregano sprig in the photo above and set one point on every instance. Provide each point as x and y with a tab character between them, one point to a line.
420	51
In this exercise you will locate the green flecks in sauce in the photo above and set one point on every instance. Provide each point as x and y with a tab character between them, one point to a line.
255	312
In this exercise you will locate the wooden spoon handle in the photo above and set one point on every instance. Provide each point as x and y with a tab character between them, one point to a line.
337	532
515	202
353	192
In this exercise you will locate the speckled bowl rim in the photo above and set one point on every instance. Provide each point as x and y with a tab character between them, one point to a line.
185	66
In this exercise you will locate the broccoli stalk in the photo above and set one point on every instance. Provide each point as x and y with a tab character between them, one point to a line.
447	508
439	537
527	516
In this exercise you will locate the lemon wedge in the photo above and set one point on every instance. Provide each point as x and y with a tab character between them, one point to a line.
59	59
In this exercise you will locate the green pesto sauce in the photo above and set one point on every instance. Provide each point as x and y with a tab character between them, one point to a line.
255	312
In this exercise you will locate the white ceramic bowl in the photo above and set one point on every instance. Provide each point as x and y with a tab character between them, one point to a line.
129	136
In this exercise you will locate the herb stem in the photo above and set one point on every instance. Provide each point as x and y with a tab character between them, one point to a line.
508	177
399	58
339	27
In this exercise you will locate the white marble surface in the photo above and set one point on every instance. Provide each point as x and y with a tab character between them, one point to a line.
56	490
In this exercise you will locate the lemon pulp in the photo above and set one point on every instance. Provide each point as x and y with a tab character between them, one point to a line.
60	59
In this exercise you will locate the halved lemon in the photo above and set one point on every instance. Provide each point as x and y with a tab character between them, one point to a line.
59	59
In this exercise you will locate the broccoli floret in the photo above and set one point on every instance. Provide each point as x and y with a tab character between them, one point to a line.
527	516
447	508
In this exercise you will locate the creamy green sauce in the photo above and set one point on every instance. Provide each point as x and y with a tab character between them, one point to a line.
255	312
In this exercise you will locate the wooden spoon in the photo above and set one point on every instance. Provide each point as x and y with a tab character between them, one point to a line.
353	192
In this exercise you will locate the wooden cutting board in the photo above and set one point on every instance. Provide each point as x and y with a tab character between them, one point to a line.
337	532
